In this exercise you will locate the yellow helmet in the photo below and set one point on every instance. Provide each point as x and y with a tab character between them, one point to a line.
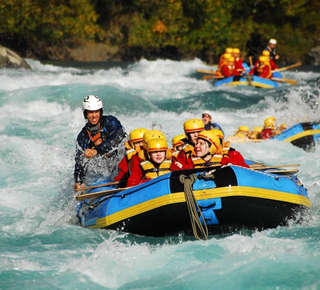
257	129
229	50
266	53
283	126
136	135
212	138
231	58
270	122
193	125
156	144
152	134
243	129
236	50
218	132
263	58
176	141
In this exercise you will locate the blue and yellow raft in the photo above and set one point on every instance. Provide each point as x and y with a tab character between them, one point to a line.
304	135
230	198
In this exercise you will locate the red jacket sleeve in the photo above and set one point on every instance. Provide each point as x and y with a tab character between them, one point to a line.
225	71
181	162
234	157
123	170
265	73
238	68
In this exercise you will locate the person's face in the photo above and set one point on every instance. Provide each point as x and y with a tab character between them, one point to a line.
138	145
193	137
206	119
158	156
272	46
201	148
93	117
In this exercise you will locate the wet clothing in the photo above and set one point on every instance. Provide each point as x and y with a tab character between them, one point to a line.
272	52
105	137
262	70
267	133
212	125
142	169
181	160
238	67
123	166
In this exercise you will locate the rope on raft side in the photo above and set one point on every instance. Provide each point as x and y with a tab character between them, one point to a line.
193	207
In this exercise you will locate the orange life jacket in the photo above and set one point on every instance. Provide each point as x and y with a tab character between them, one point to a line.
150	171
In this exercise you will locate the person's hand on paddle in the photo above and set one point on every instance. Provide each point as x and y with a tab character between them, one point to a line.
78	186
90	153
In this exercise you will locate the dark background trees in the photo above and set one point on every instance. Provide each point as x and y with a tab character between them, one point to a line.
173	29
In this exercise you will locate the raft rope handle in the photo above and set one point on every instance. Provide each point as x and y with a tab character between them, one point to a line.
193	207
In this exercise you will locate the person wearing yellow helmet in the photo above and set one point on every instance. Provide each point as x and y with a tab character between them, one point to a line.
271	47
254	134
177	143
133	146
243	132
156	163
262	68
228	52
283	127
238	63
226	67
269	129
209	151
143	154
191	127
272	63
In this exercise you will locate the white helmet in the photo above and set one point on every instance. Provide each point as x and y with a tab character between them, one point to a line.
272	41
91	103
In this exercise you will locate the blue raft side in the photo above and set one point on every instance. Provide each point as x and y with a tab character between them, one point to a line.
295	129
270	181
160	186
256	79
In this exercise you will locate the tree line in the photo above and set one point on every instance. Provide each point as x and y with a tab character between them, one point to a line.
180	29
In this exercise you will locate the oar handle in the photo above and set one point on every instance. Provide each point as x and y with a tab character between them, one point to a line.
96	186
100	193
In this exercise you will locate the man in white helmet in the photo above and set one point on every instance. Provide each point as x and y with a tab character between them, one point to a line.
271	47
101	136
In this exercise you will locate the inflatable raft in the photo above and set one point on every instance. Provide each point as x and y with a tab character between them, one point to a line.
248	80
228	199
304	135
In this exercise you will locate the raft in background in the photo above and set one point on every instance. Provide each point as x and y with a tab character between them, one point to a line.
232	198
303	135
249	80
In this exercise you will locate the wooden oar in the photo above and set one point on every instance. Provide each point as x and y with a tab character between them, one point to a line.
95	186
250	61
281	80
284	172
287	67
100	193
206	71
272	167
210	77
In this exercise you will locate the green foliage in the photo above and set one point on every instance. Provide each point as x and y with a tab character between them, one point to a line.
50	20
193	27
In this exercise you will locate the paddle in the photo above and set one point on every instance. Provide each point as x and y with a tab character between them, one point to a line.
284	172
250	61
95	186
206	71
287	67
208	77
100	193
272	167
292	82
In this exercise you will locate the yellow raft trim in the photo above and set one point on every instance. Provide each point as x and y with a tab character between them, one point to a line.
253	84
201	195
302	134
